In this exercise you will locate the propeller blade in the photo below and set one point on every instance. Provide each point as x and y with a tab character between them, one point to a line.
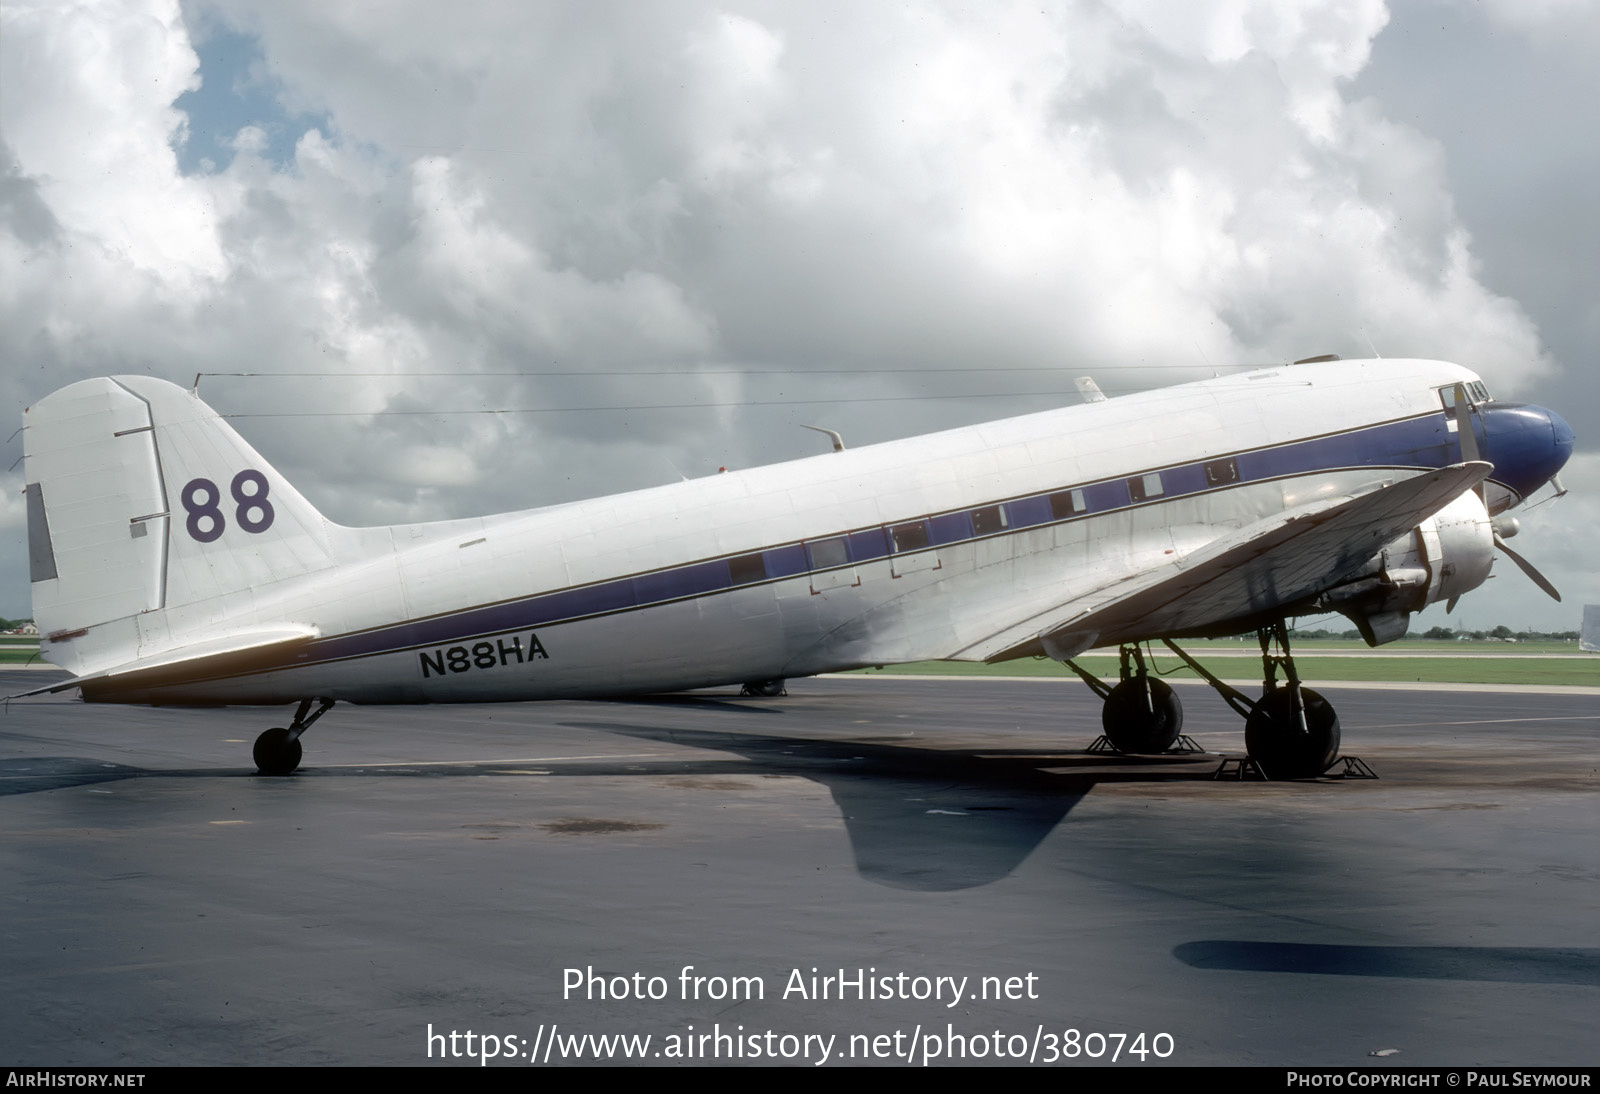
1463	416
1528	568
1462	411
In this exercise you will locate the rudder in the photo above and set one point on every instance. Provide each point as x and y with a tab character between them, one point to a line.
143	506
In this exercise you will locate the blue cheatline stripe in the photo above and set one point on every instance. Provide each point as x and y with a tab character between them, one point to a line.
1420	443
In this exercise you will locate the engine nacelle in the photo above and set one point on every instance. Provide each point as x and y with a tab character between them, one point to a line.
1446	555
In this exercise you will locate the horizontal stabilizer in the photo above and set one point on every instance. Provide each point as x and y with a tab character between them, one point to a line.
1265	566
221	656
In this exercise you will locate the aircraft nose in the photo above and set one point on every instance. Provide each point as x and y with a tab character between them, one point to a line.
1563	433
1527	444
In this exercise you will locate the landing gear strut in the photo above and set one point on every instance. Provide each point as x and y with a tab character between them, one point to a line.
277	751
1291	732
1141	714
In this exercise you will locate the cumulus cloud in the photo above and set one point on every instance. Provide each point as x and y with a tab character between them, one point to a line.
831	194
86	107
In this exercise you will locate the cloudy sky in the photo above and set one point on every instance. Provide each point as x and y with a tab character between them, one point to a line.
667	234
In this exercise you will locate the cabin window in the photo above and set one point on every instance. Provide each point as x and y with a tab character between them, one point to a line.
1067	503
1144	487
1222	472
988	520
743	569
912	536
828	553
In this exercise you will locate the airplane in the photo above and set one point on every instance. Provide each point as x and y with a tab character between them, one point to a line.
170	564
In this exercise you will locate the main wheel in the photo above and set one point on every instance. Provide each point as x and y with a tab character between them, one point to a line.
1140	721
1278	745
765	689
276	753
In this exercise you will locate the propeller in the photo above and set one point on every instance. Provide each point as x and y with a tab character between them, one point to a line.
1504	528
1464	431
1528	568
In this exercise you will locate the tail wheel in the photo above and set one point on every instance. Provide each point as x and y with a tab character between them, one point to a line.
276	753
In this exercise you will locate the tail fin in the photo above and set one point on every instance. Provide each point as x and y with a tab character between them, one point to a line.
143	506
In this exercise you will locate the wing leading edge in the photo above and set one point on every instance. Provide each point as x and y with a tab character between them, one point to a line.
1267	565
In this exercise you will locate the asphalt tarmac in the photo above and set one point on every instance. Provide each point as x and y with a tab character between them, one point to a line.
537	872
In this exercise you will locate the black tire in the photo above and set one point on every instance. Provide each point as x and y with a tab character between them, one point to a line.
1130	723
765	689
275	753
1276	743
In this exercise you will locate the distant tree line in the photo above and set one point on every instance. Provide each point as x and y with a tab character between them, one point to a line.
1501	633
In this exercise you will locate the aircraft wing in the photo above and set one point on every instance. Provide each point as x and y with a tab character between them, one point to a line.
220	655
1274	562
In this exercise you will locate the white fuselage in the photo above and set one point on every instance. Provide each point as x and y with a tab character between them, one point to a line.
743	576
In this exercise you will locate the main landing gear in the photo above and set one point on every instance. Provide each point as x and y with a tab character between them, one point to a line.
277	751
1142	714
1291	732
765	689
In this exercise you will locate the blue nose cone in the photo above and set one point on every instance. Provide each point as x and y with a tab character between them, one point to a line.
1527	444
1563	433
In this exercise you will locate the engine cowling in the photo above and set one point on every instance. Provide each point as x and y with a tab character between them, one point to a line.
1445	556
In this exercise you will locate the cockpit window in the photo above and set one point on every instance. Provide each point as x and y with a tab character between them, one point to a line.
1477	394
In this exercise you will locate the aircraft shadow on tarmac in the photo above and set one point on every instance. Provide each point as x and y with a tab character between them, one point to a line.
31	774
928	819
917	818
1506	964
